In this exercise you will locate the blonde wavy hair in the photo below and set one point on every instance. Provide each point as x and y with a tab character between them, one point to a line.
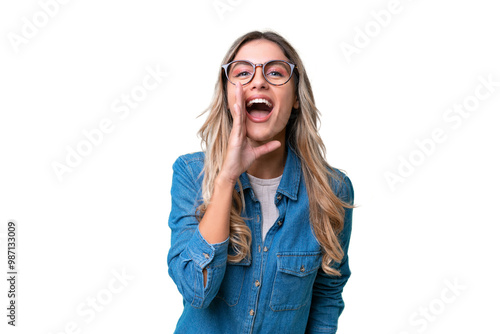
326	211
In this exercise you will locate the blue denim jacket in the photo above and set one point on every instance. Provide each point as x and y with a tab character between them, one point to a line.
281	288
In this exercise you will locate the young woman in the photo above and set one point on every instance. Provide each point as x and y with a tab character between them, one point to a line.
260	222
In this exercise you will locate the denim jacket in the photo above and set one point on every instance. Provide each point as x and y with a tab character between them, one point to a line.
281	287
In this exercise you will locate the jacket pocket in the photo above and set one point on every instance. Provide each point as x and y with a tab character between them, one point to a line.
232	283
293	283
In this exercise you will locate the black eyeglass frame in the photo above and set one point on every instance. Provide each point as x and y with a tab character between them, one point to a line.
292	68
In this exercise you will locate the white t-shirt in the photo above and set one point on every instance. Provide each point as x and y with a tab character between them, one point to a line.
265	191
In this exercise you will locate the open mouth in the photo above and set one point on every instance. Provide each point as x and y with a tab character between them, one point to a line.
259	108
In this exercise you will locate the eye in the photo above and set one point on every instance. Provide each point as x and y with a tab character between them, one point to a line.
241	70
277	70
274	74
242	74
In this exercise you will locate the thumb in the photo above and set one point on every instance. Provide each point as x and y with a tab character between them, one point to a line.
266	148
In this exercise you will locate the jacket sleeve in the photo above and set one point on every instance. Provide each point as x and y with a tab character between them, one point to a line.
189	252
327	303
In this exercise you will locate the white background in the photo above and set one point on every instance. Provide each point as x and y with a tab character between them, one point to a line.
110	213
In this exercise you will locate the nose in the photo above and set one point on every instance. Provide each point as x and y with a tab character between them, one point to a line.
258	79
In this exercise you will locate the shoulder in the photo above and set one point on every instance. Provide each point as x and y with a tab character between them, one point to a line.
341	185
190	163
191	158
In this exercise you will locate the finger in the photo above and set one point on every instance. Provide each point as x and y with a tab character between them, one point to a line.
240	101
266	148
237	119
233	110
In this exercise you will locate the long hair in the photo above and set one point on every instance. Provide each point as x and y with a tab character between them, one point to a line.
326	211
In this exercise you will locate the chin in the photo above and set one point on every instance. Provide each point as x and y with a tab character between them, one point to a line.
259	136
262	137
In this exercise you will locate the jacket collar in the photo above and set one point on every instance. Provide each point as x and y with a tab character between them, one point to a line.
289	184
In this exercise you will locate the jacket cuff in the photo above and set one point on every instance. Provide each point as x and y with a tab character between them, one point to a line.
204	253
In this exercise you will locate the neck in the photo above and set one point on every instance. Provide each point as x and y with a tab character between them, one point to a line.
270	165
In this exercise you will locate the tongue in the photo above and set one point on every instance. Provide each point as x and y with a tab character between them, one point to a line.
259	113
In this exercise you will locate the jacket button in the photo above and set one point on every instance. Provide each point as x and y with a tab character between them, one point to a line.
280	223
259	248
252	312
302	269
279	197
257	283
206	255
258	218
265	249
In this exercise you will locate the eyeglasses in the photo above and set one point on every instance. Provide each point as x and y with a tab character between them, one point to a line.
276	72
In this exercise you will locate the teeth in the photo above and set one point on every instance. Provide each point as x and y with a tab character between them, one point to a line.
251	102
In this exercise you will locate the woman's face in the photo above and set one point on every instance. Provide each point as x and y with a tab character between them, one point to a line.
263	126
